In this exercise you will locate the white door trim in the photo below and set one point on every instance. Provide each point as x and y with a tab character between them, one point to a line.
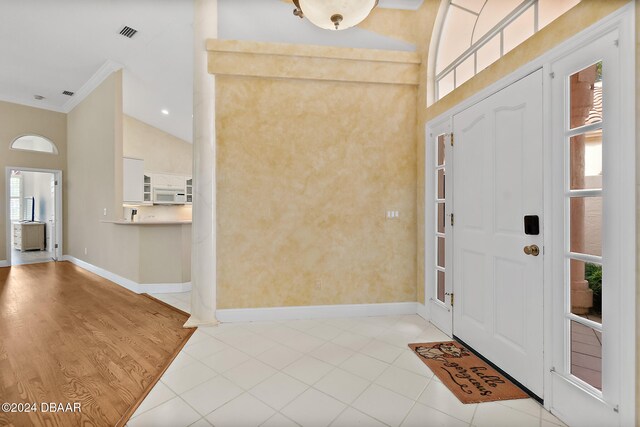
57	174
623	20
439	313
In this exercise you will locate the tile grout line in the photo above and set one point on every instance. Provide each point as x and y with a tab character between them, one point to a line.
310	354
474	415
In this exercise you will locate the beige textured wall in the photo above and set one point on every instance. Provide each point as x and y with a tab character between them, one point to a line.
306	170
16	120
324	63
395	23
162	152
95	183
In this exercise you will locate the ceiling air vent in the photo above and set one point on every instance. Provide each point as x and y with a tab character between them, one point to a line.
68	93
128	32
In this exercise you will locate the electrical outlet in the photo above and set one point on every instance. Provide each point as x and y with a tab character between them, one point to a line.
104	212
392	214
85	251
318	285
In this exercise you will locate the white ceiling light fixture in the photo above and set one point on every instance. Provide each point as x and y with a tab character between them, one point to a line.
165	112
334	14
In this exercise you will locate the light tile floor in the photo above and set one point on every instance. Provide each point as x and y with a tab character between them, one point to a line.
338	372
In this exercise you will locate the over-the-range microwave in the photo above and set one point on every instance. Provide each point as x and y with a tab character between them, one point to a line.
169	196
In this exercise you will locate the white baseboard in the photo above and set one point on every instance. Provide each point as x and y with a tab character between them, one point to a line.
231	315
4	263
164	288
122	281
139	288
422	311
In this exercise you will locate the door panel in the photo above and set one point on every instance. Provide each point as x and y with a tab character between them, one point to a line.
508	176
509	302
473	289
471	161
498	180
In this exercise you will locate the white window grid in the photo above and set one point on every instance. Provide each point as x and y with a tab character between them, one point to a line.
475	47
437	202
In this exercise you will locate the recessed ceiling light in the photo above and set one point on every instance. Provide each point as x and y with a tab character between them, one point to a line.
38	97
165	112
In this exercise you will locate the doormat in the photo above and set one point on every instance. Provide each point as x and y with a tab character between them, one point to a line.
467	376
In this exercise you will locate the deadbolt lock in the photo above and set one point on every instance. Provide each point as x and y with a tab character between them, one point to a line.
532	250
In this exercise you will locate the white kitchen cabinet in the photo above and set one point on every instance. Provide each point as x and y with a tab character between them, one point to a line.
176	182
189	189
133	180
147	191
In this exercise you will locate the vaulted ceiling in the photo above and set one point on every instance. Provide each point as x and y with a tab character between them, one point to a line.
48	47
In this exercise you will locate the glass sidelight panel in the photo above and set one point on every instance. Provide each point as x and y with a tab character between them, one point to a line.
586	161
586	290
441	145
440	215
586	354
585	96
441	253
441	183
441	218
585	222
440	286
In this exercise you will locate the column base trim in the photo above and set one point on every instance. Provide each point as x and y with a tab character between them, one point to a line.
193	322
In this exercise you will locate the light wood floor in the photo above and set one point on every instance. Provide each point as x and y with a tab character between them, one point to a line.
69	336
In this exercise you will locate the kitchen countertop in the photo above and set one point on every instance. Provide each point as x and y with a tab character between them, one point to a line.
148	222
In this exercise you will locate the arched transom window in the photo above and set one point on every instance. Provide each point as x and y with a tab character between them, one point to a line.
34	143
476	33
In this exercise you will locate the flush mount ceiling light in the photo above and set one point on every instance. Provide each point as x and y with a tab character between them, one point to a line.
334	14
165	112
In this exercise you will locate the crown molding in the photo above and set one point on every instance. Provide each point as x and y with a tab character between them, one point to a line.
90	85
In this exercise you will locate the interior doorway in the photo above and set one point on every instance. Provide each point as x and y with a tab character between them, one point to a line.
34	212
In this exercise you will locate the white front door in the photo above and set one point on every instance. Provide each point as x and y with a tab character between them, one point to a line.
498	182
